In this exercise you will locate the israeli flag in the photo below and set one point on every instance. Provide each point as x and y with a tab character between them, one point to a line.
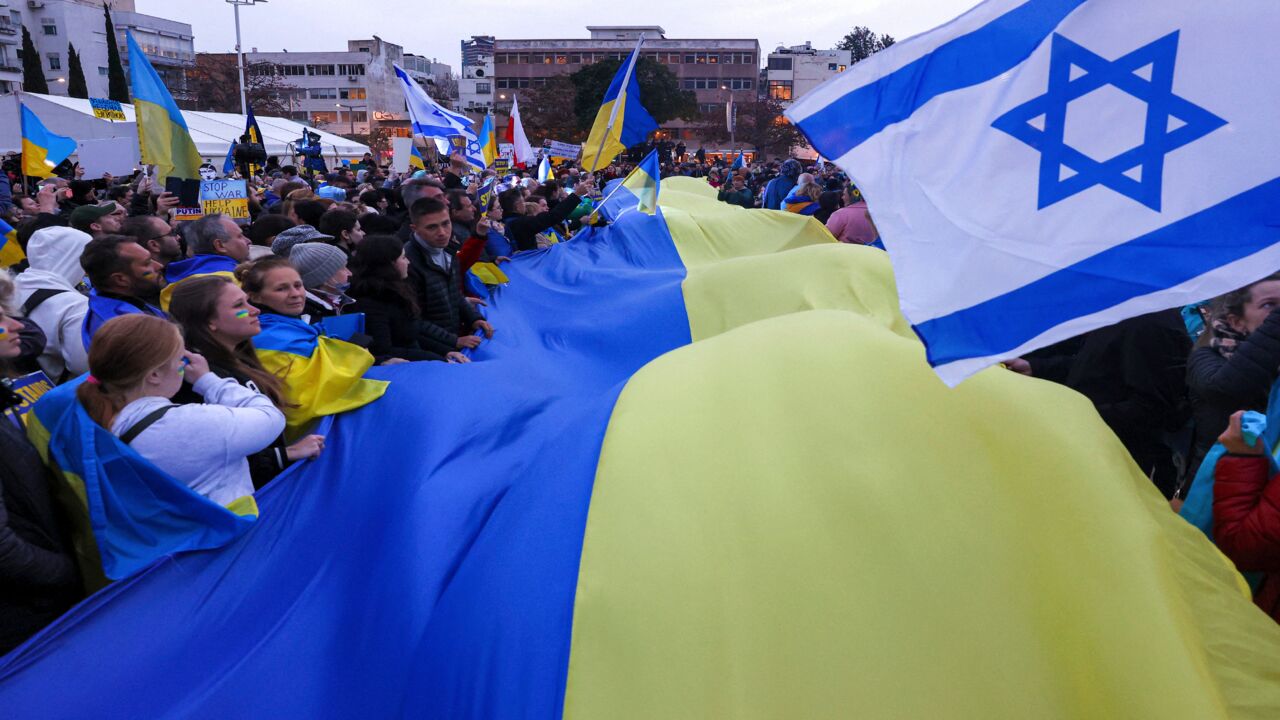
1041	168
429	118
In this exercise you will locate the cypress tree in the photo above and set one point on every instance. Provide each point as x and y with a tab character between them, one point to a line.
76	86
118	88
32	72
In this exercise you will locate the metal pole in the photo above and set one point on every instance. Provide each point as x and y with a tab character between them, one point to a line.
613	112
244	107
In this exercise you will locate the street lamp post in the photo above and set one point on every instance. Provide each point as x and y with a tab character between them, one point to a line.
730	120
351	114
244	105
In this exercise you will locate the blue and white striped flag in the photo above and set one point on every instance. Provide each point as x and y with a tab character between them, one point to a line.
429	118
1041	168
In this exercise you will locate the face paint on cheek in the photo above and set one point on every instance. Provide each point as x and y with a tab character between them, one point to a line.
242	314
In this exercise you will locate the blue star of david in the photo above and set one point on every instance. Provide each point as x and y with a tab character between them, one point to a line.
1158	140
473	147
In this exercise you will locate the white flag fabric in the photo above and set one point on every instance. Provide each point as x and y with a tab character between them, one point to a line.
429	118
1041	168
544	169
521	151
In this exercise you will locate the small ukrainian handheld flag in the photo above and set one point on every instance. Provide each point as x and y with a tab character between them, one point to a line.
41	149
10	251
488	141
544	169
638	191
163	136
621	121
415	158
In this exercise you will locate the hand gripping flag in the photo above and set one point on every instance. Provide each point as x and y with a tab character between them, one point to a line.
41	149
864	544
163	137
621	121
1040	168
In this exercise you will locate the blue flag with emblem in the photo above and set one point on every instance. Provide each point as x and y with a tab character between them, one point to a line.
1041	168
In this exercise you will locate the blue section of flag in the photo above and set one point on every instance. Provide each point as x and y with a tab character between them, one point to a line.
426	564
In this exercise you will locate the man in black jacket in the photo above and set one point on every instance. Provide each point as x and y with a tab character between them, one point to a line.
447	318
522	230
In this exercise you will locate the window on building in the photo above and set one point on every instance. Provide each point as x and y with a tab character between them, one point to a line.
323	116
483	88
748	84
500	82
50	26
499	58
320	70
15	18
780	89
322	93
704	84
689	84
293	69
728	59
539	82
103	71
262	69
690	58
355	69
747	59
521	83
673	58
356	93
779	63
562	59
537	58
55	61
362	49
354	116
711	108
522	58
713	59
575	58
842	68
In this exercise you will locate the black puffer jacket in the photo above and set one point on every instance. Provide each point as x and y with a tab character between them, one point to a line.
522	230
38	576
1219	386
445	312
395	331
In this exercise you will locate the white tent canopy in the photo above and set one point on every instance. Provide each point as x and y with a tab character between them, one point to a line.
212	132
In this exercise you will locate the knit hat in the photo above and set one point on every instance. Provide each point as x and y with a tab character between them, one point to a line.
316	262
294	235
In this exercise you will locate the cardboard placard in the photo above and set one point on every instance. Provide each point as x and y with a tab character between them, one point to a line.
226	197
105	109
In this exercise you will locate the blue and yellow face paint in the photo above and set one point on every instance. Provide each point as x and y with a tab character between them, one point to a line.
701	470
242	314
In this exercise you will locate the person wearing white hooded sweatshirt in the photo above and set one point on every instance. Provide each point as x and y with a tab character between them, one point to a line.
48	296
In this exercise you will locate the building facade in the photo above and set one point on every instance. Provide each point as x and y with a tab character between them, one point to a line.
713	69
793	71
349	92
475	87
55	23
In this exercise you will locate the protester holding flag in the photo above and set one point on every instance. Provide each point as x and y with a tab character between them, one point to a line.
37	569
522	229
219	323
139	362
736	193
436	277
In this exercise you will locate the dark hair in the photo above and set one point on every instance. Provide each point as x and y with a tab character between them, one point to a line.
426	206
371	198
373	222
267	227
39	222
118	193
308	211
194	302
1230	304
252	275
455	198
335	222
101	258
507	199
373	272
138	227
81	191
124	350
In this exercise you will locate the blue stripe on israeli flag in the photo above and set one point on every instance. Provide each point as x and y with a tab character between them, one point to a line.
1042	168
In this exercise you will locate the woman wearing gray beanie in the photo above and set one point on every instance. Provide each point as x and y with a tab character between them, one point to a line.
325	276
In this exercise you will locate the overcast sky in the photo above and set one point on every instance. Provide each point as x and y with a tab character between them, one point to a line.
439	25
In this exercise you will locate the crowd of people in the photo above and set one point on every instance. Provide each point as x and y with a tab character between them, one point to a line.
169	327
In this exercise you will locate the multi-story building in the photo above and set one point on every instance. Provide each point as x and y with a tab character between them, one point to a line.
713	69
794	71
55	23
351	91
475	87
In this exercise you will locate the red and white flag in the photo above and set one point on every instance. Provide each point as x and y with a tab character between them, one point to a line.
522	151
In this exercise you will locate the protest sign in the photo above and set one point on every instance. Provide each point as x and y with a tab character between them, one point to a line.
30	388
104	109
557	149
227	197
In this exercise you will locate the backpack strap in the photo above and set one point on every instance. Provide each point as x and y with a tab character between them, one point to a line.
146	422
37	298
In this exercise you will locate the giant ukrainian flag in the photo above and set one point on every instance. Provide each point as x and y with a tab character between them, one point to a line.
162	132
41	149
702	470
621	121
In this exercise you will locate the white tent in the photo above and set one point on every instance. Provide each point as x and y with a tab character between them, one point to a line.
212	132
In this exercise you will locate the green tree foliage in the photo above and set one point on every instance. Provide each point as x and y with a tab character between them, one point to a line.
76	85
117	86
542	110
760	125
660	92
864	43
32	71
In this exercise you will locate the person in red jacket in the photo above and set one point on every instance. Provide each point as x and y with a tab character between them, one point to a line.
1246	513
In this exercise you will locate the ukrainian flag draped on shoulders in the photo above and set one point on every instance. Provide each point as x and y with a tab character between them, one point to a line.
163	137
621	121
322	375
41	149
125	512
199	266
